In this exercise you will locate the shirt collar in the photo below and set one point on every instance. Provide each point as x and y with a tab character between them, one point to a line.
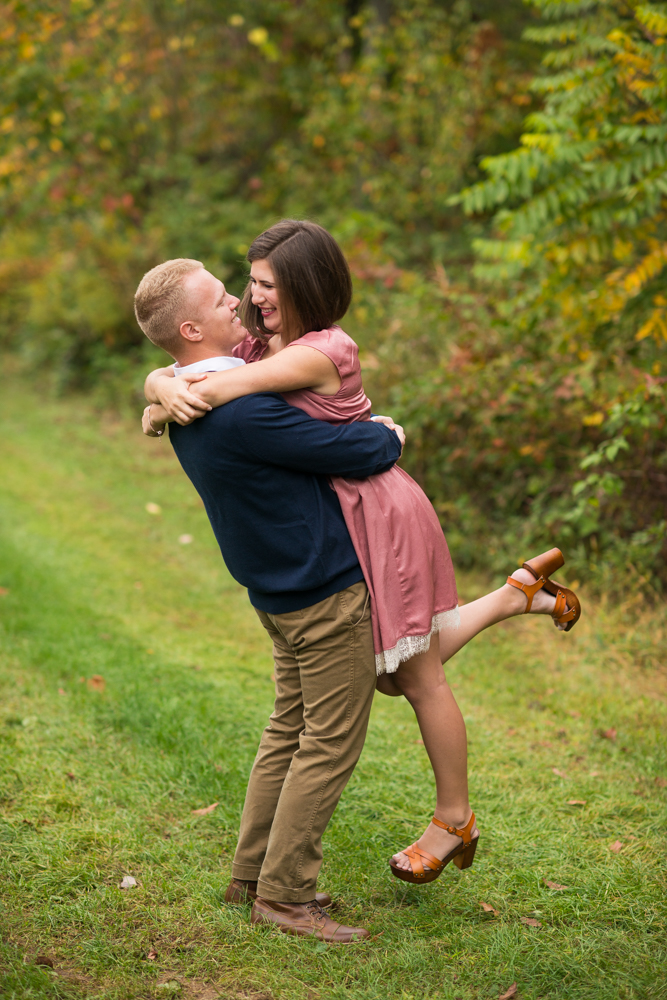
219	364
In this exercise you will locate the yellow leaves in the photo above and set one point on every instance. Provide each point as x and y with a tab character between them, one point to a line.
56	118
258	36
55	145
656	324
548	143
27	51
654	20
319	141
236	21
619	37
622	249
156	112
648	268
175	43
7	124
593	419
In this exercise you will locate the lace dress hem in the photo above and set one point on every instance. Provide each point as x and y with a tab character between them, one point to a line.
408	646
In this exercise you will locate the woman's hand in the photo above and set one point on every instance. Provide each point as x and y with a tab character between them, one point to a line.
388	422
180	404
153	420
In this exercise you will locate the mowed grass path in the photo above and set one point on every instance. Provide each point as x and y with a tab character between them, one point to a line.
99	784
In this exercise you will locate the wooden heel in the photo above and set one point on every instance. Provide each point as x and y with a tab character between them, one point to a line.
466	857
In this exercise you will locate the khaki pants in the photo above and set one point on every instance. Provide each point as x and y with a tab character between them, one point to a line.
325	680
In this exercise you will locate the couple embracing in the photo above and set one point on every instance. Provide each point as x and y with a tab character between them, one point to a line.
342	553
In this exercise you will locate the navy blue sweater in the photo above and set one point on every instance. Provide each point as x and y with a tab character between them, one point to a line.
261	468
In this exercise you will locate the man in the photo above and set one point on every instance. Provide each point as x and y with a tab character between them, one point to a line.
262	467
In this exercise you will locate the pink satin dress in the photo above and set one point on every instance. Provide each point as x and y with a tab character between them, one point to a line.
394	529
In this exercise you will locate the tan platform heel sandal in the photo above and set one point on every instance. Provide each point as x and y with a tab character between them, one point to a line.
542	567
462	856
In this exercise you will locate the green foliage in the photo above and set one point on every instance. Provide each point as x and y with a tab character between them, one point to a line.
567	386
130	133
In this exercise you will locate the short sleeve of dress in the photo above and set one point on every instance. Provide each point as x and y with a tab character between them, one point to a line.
350	402
250	349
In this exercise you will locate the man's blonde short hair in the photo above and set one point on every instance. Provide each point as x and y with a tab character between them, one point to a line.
160	301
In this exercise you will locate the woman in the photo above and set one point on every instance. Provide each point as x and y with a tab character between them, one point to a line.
299	288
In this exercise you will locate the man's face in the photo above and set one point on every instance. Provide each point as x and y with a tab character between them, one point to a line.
213	311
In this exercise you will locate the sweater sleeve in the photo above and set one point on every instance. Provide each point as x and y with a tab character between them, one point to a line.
283	435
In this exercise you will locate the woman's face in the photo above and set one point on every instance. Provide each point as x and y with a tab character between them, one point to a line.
265	295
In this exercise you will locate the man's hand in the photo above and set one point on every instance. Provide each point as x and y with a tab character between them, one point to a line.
174	394
388	422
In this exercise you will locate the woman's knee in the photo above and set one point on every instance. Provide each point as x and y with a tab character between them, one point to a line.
422	685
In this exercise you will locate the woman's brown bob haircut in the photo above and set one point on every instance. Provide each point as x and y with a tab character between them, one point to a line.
311	275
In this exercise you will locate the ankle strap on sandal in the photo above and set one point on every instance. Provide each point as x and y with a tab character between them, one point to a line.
529	589
465	834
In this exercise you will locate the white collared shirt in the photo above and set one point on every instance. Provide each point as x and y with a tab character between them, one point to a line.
219	364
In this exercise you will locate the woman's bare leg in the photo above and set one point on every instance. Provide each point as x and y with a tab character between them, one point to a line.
422	681
506	602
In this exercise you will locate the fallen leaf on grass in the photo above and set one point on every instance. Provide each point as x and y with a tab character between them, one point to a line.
44	960
153	508
512	732
152	955
171	986
530	922
577	802
273	677
128	882
608	734
574	714
97	683
554	885
420	742
489	909
206	810
512	991
559	774
195	666
138	585
661	782
61	690
4	591
616	846
70	775
185	539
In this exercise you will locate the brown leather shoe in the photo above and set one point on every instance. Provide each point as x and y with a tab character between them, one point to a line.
243	891
304	920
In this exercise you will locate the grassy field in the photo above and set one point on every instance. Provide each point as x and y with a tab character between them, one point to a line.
135	684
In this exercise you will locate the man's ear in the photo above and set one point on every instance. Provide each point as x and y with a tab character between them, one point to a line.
190	332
